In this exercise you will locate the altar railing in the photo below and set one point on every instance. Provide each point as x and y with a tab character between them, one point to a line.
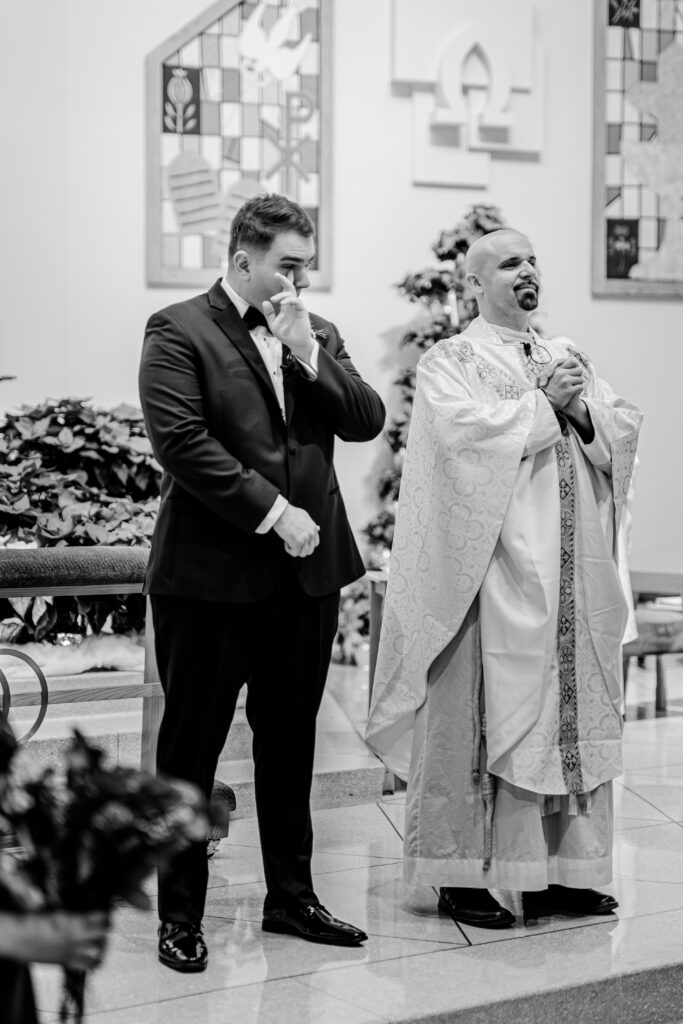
81	572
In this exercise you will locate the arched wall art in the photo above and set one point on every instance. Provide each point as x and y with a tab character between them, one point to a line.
238	102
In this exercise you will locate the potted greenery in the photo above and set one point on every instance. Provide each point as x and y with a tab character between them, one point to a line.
74	474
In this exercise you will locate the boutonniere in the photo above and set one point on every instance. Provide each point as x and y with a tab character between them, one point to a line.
320	333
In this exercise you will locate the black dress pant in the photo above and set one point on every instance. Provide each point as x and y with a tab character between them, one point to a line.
280	647
16	994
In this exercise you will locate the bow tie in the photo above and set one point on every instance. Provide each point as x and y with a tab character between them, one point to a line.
253	317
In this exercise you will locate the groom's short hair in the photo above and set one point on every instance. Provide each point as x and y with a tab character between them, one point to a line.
262	218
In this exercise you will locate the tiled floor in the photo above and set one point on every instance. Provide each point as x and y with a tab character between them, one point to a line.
418	965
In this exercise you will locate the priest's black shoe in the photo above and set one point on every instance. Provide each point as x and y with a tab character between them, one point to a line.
559	899
182	946
314	923
474	906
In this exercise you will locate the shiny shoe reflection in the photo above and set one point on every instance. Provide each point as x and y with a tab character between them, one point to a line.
559	899
313	923
475	907
182	946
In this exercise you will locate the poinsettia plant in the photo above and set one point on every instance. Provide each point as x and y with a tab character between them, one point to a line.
71	473
74	474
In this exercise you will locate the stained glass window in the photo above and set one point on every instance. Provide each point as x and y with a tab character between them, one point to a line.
238	103
638	146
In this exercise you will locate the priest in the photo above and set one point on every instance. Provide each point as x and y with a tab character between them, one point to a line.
498	689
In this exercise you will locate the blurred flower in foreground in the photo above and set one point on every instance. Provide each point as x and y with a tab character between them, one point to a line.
89	836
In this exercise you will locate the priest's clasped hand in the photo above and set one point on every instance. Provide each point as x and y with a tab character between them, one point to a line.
291	324
300	534
562	382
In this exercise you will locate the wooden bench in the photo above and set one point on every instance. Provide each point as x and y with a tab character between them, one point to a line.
660	628
81	572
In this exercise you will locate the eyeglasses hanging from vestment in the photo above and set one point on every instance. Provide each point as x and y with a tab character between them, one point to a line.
536	352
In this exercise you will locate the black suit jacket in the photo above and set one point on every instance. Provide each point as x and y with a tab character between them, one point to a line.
217	430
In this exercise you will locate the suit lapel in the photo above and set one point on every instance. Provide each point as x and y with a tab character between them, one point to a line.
230	322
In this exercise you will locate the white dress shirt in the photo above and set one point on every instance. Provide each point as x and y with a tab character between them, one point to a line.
270	350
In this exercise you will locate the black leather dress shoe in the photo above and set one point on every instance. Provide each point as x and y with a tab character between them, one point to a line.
182	946
314	923
559	899
474	906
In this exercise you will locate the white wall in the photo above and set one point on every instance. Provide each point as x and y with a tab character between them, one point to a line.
72	278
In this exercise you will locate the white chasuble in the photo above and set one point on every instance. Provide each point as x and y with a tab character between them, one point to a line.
502	501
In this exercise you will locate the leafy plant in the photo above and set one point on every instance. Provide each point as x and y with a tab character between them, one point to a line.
26	619
354	623
428	283
449	308
72	474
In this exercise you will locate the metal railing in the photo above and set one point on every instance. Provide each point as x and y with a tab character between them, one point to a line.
81	572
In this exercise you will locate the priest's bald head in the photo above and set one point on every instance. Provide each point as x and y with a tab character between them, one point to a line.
503	275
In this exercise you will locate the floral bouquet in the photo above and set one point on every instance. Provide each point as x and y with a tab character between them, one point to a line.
90	836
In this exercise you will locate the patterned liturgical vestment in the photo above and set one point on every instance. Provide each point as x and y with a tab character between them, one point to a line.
498	683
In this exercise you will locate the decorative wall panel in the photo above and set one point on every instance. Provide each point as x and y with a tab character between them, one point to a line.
238	102
638	148
473	70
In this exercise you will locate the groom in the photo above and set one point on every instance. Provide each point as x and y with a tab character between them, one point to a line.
243	393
